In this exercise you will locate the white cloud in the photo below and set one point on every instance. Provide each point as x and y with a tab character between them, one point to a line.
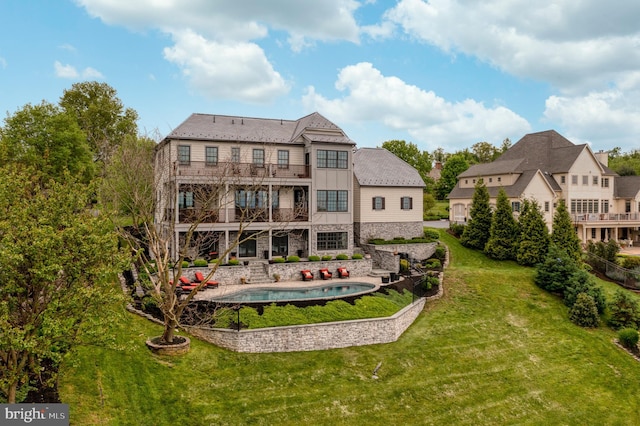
217	53
68	47
70	72
3	62
65	71
217	70
430	119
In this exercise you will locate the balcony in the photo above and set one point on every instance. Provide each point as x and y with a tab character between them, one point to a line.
249	170
606	217
234	215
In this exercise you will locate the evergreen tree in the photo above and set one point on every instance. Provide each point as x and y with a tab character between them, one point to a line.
476	233
534	235
556	270
563	235
582	281
584	312
503	235
624	310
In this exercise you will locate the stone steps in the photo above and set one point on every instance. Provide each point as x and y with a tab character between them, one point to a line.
258	274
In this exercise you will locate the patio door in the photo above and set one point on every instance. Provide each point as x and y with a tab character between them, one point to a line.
280	245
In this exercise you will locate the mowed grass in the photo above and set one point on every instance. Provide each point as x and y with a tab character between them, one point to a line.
494	350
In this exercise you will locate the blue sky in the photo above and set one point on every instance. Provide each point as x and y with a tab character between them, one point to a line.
436	73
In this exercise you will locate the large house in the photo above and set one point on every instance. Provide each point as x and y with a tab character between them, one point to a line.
547	167
285	187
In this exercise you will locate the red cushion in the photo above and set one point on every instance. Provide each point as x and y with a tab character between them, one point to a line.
185	280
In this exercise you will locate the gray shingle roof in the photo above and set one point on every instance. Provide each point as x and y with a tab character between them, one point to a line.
313	127
626	186
514	190
379	167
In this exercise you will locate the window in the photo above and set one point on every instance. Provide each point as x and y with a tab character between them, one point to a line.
595	180
280	245
627	206
235	155
574	179
515	206
593	233
251	199
258	157
584	206
211	155
332	241
605	182
546	206
490	180
332	201
585	180
185	199
247	248
332	159
563	179
184	154
283	159
378	203
406	203
605	206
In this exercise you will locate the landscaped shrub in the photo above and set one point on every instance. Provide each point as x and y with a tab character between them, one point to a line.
314	258
293	259
356	256
185	264
234	262
200	263
433	264
624	311
280	260
456	229
628	337
631	262
342	256
584	312
441	253
404	265
583	282
431	234
429	281
554	273
327	257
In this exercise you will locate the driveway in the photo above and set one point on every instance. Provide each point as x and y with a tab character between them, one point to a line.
437	224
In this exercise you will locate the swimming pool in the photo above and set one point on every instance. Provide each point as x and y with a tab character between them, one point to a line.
271	294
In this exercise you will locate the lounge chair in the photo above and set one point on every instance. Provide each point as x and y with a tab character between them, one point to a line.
200	277
306	275
342	272
325	274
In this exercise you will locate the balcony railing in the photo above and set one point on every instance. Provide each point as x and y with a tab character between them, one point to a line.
189	215
228	169
606	217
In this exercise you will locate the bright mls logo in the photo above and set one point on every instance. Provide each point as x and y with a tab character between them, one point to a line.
37	414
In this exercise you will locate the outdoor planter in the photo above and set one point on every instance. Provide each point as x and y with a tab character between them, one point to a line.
180	345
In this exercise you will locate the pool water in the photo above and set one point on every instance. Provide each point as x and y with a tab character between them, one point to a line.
331	291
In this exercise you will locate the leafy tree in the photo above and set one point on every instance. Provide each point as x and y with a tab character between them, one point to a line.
484	152
101	115
48	139
476	233
624	310
58	265
454	165
503	235
563	234
584	312
556	270
534	235
428	202
582	281
409	152
506	144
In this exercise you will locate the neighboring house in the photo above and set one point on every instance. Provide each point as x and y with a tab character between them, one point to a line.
436	171
387	196
547	167
297	174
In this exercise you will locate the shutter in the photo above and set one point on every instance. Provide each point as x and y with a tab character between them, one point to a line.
373	203
410	203
382	203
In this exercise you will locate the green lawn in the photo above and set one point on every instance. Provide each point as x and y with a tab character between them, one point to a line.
494	350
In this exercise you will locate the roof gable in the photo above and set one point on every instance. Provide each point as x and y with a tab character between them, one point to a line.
379	167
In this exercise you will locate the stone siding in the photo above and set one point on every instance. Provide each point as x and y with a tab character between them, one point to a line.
313	337
387	230
386	255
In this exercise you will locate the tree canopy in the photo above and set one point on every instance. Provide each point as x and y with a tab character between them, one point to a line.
504	233
409	152
48	139
476	233
454	165
58	264
563	234
101	116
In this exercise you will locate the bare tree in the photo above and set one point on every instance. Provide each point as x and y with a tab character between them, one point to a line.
164	204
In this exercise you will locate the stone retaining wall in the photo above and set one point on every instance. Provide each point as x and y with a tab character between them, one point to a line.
313	337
